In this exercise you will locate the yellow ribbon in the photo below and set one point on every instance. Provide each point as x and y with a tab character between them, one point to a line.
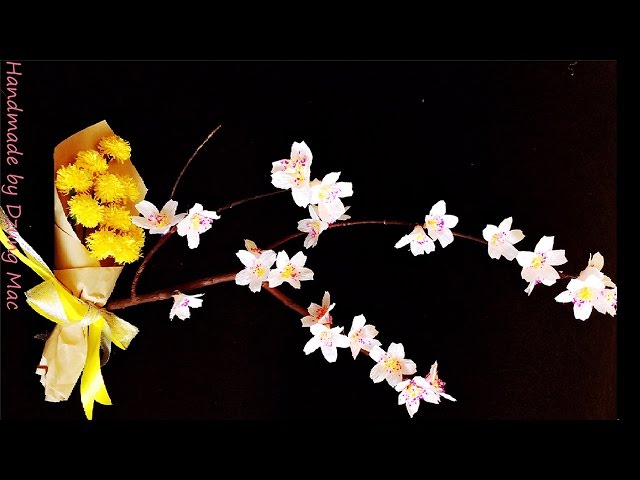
52	300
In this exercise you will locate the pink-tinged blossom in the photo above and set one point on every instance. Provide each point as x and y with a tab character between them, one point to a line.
500	239
196	223
256	269
585	296
313	227
182	303
291	271
294	173
327	195
157	221
436	386
391	365
418	241
438	224
328	340
361	336
319	313
537	266
412	391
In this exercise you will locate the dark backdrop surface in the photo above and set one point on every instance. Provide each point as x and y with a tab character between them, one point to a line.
532	140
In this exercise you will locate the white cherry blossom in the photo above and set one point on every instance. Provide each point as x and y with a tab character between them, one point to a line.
195	223
157	221
327	195
501	239
436	386
313	226
361	336
537	266
418	241
182	303
319	313
438	224
391	365
328	340
291	271
256	268
585	295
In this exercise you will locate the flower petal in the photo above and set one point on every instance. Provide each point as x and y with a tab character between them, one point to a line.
147	208
247	258
544	245
312	345
396	350
505	225
440	208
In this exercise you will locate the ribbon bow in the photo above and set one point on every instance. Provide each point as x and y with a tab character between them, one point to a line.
54	301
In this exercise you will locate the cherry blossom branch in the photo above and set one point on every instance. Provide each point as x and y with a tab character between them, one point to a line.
286	239
184	169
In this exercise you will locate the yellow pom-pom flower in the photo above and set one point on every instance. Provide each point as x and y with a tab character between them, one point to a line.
92	161
70	177
101	243
132	192
129	245
116	218
115	147
86	210
109	188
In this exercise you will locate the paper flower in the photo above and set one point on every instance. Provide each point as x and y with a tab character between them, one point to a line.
195	223
294	173
157	221
327	195
436	386
438	224
86	210
116	148
111	187
585	295
391	365
291	271
537	266
500	239
319	313
313	226
256	268
91	161
411	392
182	303
418	240
71	178
328	340
361	336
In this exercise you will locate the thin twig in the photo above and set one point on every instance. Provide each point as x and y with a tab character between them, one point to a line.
286	300
175	185
248	199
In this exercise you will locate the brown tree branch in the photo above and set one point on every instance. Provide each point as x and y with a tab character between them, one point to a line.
292	304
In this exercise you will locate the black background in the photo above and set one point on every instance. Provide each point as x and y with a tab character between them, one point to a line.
532	140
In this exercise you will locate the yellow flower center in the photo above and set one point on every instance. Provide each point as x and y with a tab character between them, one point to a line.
162	220
289	271
259	271
393	364
537	261
413	390
585	294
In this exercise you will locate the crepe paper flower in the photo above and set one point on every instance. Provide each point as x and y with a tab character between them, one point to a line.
328	340
157	221
116	217
313	226
256	269
70	178
418	241
411	392
361	336
123	247
438	224
500	239
115	147
110	188
182	303
91	161
251	246
291	271
436	385
594	267
294	173
391	365
86	210
319	313
195	223
537	266
327	195
585	295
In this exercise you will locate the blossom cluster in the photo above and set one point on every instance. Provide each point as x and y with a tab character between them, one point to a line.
323	197
391	364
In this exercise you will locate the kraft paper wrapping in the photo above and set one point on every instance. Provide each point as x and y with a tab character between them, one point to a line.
65	351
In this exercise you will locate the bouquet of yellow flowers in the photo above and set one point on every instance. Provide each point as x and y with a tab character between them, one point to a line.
96	189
